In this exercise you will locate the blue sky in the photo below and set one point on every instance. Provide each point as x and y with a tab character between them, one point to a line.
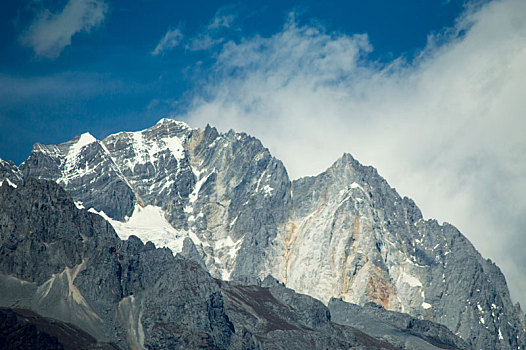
430	92
104	78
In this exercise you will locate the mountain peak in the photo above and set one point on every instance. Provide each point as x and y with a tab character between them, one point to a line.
170	121
85	139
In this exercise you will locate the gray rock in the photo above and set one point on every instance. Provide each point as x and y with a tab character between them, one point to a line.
9	173
396	328
344	233
68	264
86	171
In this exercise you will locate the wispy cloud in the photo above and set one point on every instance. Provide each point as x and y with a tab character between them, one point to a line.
221	20
203	42
212	34
447	129
50	32
170	40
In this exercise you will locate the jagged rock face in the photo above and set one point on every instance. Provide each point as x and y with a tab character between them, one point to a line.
352	236
344	233
399	329
226	192
85	169
9	174
68	264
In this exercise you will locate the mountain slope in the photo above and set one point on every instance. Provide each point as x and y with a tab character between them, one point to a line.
344	233
68	264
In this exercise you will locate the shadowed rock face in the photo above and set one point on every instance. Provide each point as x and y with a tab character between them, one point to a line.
23	329
399	329
69	264
344	233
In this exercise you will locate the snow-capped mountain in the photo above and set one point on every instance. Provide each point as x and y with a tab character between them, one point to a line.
224	201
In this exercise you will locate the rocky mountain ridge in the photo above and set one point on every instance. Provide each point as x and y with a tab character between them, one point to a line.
344	233
68	264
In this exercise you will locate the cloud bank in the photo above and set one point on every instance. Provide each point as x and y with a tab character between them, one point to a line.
170	40
50	33
446	129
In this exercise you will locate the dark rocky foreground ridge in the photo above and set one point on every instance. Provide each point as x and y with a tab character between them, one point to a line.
23	329
69	265
342	234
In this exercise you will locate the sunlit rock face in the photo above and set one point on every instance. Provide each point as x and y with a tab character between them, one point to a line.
344	233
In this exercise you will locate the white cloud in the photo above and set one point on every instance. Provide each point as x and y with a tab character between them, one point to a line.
203	42
447	130
212	34
170	40
50	33
220	20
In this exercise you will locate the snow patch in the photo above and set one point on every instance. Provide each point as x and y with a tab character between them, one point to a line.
233	222
72	166
195	193
267	190
426	305
84	140
410	279
231	248
355	185
163	121
147	151
149	224
79	205
227	242
8	182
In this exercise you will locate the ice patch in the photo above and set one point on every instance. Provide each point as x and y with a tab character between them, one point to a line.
410	279
149	224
